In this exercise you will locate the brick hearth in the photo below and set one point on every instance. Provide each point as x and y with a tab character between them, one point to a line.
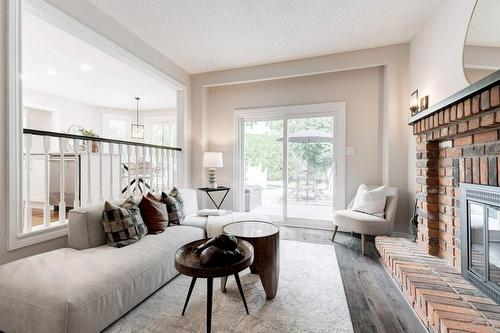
458	143
443	300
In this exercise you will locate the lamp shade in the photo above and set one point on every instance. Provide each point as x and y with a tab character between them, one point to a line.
212	160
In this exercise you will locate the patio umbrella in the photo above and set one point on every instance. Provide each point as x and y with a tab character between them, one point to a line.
309	136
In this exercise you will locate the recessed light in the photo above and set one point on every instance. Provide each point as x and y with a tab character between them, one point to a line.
85	67
51	72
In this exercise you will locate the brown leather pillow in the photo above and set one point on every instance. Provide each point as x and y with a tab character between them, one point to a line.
154	213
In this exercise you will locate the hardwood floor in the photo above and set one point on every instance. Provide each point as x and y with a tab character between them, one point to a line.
375	303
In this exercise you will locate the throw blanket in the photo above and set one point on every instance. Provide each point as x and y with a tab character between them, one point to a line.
216	223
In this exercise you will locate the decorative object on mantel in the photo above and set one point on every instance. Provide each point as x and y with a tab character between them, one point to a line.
414	222
91	133
212	160
424	103
414	102
137	131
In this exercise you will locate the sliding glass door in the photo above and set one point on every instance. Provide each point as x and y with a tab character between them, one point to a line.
289	167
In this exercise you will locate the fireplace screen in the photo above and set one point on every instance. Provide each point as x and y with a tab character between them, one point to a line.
480	207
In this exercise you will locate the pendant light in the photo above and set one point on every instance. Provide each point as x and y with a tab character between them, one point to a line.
137	130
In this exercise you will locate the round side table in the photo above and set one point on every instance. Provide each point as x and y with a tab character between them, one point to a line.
187	262
265	237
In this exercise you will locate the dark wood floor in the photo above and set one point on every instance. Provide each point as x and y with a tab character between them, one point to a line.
375	303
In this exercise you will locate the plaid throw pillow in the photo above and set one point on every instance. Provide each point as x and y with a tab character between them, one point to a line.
175	206
123	224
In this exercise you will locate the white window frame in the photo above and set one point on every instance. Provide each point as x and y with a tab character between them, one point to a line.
150	120
336	109
106	117
16	237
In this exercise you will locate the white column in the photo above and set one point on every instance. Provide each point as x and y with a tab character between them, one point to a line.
111	153
169	169
120	170
27	199
162	153
76	177
89	179
150	153
46	188
62	202
175	167
157	170
144	171
101	196
136	167
129	186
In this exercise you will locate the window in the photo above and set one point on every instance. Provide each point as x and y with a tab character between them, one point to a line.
115	126
161	130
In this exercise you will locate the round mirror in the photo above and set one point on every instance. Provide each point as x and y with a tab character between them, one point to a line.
482	44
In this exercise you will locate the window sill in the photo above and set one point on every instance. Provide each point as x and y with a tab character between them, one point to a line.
39	234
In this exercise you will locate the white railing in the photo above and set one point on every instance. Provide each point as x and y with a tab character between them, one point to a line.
62	171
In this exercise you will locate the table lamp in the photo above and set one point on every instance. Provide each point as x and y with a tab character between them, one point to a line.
212	160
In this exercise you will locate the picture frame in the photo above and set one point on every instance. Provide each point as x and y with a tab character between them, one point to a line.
424	102
414	102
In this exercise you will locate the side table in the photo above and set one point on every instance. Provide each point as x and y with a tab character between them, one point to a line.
187	262
209	190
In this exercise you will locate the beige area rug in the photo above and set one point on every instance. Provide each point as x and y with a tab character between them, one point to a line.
310	298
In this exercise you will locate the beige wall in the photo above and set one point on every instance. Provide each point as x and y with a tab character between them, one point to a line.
393	81
90	16
360	89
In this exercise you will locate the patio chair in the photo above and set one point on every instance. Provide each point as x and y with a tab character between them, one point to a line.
366	224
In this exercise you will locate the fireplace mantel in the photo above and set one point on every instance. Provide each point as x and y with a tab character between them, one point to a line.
463	94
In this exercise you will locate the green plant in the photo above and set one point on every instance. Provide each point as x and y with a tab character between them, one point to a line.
89	132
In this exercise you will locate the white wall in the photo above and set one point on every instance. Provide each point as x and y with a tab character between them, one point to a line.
395	91
436	62
361	89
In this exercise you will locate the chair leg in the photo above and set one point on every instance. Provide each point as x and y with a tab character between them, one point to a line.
334	232
362	244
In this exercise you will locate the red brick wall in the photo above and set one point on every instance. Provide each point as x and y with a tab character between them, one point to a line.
459	143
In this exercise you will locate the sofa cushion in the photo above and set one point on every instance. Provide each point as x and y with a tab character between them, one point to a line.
175	206
123	224
195	221
154	213
85	291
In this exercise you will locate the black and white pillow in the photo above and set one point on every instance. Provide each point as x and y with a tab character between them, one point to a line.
123	224
175	206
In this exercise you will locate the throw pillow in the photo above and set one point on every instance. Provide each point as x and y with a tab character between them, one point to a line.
154	213
175	206
123	224
370	200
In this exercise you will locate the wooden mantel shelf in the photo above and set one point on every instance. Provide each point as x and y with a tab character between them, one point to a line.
462	94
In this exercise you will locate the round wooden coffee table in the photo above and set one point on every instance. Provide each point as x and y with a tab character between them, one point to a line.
265	237
187	262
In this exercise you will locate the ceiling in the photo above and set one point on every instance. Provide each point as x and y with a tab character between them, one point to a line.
65	66
202	36
484	28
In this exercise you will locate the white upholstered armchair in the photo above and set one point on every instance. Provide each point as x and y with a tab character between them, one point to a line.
366	224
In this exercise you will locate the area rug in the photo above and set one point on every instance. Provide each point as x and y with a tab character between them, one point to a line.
310	298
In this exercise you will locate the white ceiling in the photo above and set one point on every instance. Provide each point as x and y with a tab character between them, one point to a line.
57	63
202	36
484	28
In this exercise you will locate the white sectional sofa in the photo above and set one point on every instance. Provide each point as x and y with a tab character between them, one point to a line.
86	287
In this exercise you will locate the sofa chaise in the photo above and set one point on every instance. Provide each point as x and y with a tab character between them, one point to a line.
88	286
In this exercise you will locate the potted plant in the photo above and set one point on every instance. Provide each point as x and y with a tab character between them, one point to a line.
91	133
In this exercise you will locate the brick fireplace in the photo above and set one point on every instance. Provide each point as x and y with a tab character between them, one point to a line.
447	276
457	142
